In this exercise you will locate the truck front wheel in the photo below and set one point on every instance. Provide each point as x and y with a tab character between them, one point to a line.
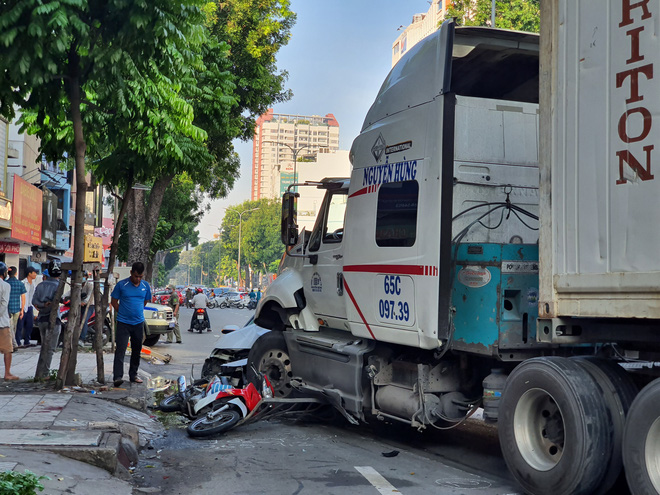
641	441
554	427
270	355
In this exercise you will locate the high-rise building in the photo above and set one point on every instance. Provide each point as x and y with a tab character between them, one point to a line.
280	141
422	25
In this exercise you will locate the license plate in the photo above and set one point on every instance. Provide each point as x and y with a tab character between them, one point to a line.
200	317
172	324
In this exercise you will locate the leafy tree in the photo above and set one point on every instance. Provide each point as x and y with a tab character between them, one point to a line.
260	235
225	91
521	15
87	70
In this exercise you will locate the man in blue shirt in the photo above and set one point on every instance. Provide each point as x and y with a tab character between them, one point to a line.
129	297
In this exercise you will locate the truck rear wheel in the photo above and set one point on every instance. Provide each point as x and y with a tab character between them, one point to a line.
270	355
641	442
619	391
554	427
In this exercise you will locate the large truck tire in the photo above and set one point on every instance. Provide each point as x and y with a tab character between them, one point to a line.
270	355
619	391
554	428
641	442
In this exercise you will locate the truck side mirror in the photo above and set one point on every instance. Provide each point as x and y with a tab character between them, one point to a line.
289	232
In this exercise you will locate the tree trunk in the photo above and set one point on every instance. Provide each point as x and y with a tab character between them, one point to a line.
149	271
65	375
101	313
100	322
143	219
45	358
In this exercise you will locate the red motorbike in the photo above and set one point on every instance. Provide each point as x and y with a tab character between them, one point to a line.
226	405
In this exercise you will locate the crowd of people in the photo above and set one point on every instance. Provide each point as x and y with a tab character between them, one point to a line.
18	300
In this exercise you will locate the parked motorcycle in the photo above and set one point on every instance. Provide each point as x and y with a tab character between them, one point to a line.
200	321
232	303
65	307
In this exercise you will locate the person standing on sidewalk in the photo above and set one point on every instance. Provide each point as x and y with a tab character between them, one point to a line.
129	297
87	301
26	322
16	301
173	303
43	301
6	345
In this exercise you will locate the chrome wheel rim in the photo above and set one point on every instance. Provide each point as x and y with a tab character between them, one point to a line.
651	454
538	426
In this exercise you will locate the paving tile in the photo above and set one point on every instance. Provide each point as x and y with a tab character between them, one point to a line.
50	437
7	466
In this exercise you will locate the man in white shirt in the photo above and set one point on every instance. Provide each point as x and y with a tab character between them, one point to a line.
26	322
87	301
200	301
6	342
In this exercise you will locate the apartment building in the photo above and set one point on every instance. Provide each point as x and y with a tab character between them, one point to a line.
281	141
421	26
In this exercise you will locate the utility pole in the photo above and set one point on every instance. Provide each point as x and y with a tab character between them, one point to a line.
295	152
492	14
240	225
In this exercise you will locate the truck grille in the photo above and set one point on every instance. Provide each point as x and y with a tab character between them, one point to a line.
169	315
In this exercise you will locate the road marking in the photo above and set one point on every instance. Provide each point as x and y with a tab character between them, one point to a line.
376	479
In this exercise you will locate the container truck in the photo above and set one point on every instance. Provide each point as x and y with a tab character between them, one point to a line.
496	245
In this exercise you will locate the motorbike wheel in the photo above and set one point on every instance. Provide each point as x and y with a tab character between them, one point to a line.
171	404
204	427
223	305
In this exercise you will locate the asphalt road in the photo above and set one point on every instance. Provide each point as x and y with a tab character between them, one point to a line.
195	347
298	457
287	456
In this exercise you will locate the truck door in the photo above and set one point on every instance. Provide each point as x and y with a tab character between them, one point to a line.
322	271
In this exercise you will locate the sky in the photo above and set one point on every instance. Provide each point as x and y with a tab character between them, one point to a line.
339	54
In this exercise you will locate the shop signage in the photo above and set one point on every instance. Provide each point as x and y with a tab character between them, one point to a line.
26	217
49	220
9	247
93	249
5	213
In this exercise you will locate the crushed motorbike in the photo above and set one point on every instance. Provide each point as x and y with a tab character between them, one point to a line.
200	321
215	406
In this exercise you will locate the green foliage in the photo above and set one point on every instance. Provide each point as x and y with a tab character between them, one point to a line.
15	483
260	234
521	15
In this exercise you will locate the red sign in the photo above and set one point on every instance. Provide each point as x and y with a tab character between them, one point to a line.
9	247
26	217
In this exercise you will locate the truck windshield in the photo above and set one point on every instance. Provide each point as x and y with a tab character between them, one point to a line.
329	227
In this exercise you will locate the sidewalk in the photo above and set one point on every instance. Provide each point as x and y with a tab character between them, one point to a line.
84	442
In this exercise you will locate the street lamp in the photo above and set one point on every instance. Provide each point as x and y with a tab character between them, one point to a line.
240	225
295	152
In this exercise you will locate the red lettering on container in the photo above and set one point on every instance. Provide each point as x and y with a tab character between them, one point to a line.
626	157
632	162
627	11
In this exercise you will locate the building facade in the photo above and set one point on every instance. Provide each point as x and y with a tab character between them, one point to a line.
336	164
421	26
280	142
